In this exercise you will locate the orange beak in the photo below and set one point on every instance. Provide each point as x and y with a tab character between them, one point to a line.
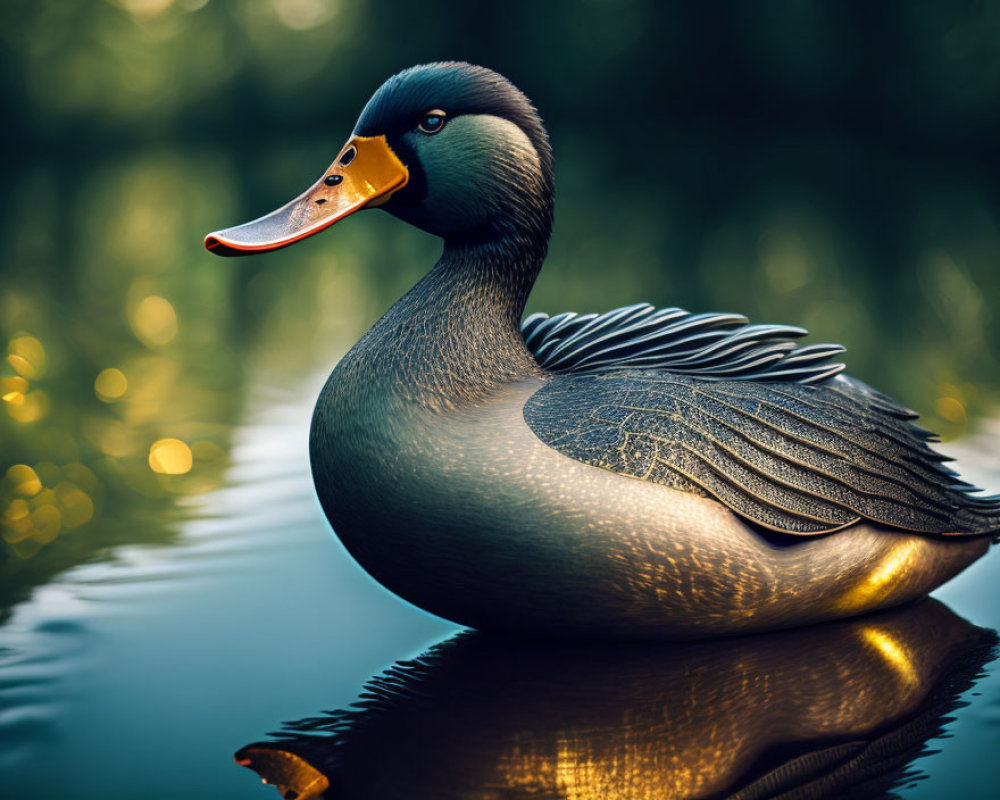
366	174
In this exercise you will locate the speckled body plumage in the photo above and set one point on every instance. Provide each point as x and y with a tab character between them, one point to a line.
435	483
482	486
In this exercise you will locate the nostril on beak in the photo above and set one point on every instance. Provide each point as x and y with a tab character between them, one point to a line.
333	180
321	201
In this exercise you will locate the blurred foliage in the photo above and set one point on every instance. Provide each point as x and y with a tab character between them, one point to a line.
832	165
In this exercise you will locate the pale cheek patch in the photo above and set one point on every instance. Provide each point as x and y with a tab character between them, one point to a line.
479	158
506	137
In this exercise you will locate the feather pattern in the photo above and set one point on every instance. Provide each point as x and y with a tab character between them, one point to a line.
711	346
802	459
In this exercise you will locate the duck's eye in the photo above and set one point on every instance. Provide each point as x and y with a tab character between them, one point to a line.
432	122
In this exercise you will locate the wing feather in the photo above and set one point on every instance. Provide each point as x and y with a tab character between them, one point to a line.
802	459
716	346
812	470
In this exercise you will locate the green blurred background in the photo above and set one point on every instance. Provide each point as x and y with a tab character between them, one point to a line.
827	164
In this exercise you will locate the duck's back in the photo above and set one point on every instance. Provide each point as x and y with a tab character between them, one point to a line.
792	458
737	412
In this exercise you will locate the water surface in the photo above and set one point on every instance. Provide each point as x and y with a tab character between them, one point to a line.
142	674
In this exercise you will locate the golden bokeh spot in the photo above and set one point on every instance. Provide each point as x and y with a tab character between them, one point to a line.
110	384
951	409
18	509
14	384
43	498
14	398
76	506
24	480
18	531
894	653
47	522
34	406
170	457
22	365
154	321
27	355
17	521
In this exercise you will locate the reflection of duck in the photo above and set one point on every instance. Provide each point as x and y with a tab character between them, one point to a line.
837	710
636	473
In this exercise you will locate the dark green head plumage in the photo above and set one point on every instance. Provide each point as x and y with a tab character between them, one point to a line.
484	172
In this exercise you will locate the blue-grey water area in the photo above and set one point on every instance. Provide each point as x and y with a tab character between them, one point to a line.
141	675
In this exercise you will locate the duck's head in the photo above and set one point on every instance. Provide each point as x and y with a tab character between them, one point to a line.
454	149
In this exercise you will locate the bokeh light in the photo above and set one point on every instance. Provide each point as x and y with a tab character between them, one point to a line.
170	457
155	321
23	480
26	355
110	384
30	407
42	502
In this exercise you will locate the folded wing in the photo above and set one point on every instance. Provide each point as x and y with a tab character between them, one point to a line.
766	430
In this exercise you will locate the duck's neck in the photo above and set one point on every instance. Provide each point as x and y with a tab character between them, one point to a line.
455	337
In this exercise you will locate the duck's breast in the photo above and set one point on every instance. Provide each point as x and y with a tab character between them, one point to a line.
466	513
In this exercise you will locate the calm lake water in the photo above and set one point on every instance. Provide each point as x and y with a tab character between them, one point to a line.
142	674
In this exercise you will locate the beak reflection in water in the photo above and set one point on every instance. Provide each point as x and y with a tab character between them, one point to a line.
816	712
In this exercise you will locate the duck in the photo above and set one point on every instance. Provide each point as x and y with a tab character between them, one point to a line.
641	473
829	711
